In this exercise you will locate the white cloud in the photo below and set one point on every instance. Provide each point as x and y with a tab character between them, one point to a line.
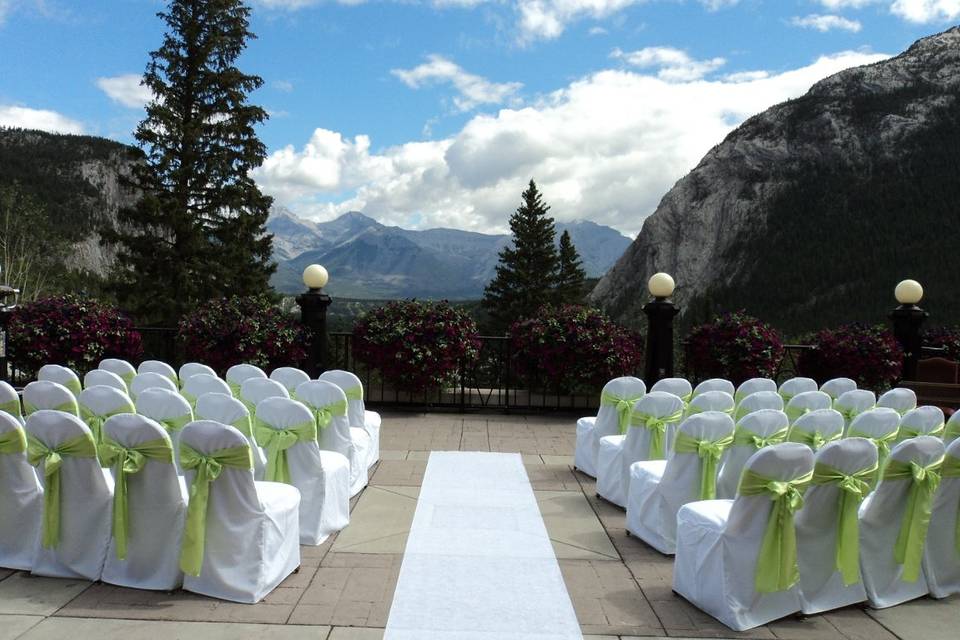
716	5
926	10
473	90
836	5
824	23
672	64
282	85
605	148
43	119
547	19
126	90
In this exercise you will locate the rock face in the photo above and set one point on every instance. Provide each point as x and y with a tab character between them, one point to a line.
785	217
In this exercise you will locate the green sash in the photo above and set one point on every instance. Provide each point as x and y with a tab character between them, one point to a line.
848	413
951	469
73	385
128	377
127	460
794	413
277	441
916	516
912	432
190	398
95	421
951	432
883	443
777	561
710	452
243	424
624	407
853	489
354	393
813	439
657	426
693	409
70	406
12	407
207	469
234	388
324	415
744	437
37	452
172	425
13	441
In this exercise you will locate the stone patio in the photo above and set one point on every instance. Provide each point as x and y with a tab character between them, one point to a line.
620	587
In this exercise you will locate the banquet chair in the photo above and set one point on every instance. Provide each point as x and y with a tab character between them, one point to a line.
255	390
727	564
658	488
224	408
149	505
817	428
44	394
288	433
952	429
158	366
647	438
852	403
806	402
828	542
754	431
61	375
122	368
201	383
923	421
900	400
77	497
191	369
753	385
289	377
880	426
679	387
170	410
10	401
143	381
711	401
892	525
613	418
796	386
241	537
756	402
941	557
103	378
99	403
334	433
836	387
357	412
714	384
21	500
240	373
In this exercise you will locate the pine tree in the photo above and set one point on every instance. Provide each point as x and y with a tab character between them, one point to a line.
527	272
570	274
198	232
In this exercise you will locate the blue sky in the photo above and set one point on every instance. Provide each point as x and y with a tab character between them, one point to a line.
436	113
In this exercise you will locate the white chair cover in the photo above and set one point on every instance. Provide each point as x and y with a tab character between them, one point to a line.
350	442
881	516
358	414
714	384
10	402
44	394
952	430
805	403
765	425
821	583
225	409
103	378
757	402
606	423
191	369
240	373
171	411
86	500
617	453
256	390
658	488
99	403
880	426
796	386
60	375
122	368
941	558
323	477
754	385
712	401
922	421
679	387
21	500
836	387
201	383
817	428
252	534
156	507
158	366
143	381
718	542
289	377
852	403
900	399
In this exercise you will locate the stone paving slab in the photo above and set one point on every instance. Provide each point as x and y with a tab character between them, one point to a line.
22	593
381	520
13	626
59	628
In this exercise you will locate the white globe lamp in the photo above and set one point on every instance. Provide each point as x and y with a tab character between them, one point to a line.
908	292
661	285
315	277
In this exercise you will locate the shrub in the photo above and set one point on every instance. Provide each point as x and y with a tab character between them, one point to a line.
235	330
416	345
70	331
573	348
947	338
734	346
869	355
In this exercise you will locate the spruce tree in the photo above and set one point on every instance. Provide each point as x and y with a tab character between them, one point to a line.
527	272
570	273
198	232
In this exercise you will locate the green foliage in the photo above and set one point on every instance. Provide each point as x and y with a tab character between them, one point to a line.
869	355
571	277
31	249
734	346
199	232
946	338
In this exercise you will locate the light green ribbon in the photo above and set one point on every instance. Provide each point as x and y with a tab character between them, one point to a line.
912	432
813	439
172	425
744	437
95	421
243	424
908	550
277	441
70	406
710	452
794	413
853	488
207	469
128	377
12	407
324	415
693	409
657	426
354	393
624	407
190	398
52	458
73	385
127	460
234	388
13	441
777	561
848	413
951	469
951	432
883	443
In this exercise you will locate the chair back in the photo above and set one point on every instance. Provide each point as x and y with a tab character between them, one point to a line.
900	400
201	383
240	373
796	386
612	417
191	369
10	401
817	428
317	395
852	403
158	366
170	410
714	384
149	380
679	387
952	430
761	426
255	390
653	424
16	474
922	421
302	456
353	389
711	401
233	495
784	462
156	483
805	403
941	562
104	378
224	408
80	477
757	401
289	377
122	368
44	394
61	375
836	387
683	478
754	385
99	403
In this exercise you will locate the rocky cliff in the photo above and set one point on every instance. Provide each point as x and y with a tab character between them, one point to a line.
809	213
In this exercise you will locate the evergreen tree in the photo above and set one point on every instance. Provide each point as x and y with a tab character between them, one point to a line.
527	272
198	232
570	274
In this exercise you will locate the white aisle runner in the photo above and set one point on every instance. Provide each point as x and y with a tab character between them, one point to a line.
479	564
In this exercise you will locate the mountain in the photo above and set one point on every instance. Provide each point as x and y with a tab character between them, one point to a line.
809	213
367	259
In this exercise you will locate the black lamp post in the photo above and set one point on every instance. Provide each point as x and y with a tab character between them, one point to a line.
660	313
5	312
313	315
907	320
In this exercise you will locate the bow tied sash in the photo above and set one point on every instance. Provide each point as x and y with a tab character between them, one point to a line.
813	439
69	406
795	413
95	420
744	437
777	561
951	431
13	441
907	431
174	424
207	468
12	407
277	441
908	550
884	443
126	460
624	407
324	415
52	459
853	488
657	426
354	393
709	452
